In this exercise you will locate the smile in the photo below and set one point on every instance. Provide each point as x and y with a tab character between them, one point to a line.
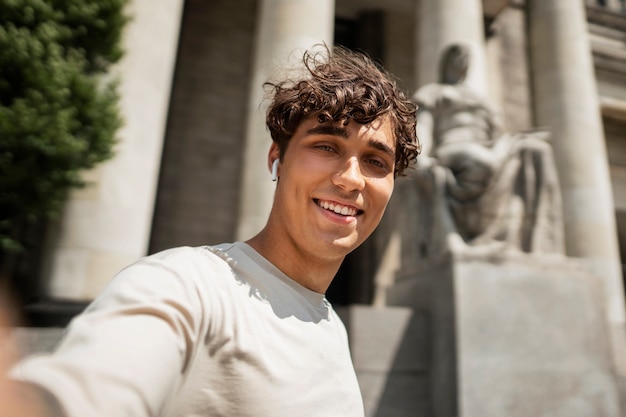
338	208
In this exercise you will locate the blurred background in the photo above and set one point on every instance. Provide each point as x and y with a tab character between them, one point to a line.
132	126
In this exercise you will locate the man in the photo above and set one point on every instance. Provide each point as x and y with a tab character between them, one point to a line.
244	329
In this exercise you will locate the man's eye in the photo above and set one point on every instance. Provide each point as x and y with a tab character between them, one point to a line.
376	163
327	148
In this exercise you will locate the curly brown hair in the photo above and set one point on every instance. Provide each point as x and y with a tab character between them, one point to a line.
343	85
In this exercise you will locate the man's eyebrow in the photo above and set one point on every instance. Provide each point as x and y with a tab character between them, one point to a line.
342	132
381	147
328	130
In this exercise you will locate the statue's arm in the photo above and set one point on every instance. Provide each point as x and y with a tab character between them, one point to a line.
424	128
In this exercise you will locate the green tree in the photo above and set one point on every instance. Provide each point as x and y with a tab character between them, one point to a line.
58	112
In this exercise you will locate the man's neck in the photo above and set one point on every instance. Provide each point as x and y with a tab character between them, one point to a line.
306	270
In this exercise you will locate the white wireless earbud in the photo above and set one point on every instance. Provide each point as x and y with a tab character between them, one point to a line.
275	170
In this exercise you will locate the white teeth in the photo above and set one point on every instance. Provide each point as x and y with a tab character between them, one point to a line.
339	209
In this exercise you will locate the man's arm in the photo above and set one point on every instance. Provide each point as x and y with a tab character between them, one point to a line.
125	355
20	399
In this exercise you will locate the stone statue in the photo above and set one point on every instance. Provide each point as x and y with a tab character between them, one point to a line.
483	189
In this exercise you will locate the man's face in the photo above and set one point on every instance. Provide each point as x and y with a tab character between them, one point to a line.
335	183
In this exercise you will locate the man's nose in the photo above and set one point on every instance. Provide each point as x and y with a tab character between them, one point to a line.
349	176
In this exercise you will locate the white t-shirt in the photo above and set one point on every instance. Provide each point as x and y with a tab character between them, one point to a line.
207	331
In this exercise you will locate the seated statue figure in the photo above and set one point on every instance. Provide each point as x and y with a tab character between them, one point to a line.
486	189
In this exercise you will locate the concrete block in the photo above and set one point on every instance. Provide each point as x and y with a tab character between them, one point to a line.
391	358
395	394
520	337
34	340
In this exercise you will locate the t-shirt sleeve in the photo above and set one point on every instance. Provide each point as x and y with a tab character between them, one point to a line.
126	354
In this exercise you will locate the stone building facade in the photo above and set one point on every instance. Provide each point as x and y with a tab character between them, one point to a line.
191	168
190	95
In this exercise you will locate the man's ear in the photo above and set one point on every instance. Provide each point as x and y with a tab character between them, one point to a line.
273	154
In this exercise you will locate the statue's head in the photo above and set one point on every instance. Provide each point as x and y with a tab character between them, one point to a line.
454	64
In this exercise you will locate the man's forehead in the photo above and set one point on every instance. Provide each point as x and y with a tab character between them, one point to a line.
382	123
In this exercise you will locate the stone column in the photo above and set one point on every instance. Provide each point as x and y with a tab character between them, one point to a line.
285	28
107	225
566	101
443	22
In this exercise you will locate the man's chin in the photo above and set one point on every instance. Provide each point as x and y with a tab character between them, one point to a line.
347	244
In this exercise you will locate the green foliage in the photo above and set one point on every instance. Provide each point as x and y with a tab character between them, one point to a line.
58	114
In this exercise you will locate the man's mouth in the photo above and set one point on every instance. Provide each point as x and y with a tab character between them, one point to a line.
338	208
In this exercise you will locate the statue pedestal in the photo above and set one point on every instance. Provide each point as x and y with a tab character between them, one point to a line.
517	336
391	357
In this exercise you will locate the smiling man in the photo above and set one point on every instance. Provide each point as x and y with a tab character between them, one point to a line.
244	329
335	182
